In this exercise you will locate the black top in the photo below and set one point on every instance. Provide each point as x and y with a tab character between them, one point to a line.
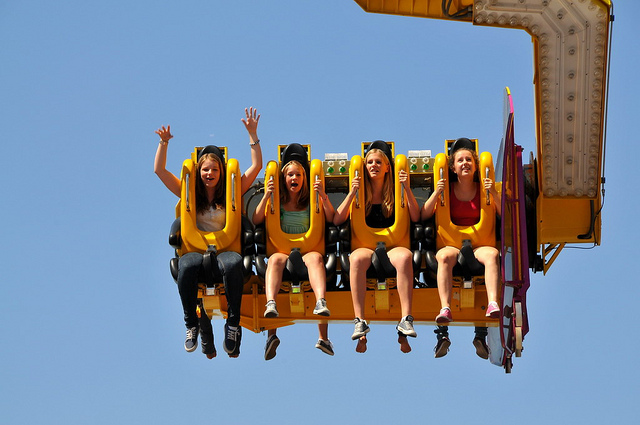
377	220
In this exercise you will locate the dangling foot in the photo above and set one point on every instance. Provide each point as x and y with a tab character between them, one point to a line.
404	343
270	349
208	347
444	317
325	346
442	347
360	330
493	310
482	350
191	342
362	345
406	326
321	308
232	338
271	310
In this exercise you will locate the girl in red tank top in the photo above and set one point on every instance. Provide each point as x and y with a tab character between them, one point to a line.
465	211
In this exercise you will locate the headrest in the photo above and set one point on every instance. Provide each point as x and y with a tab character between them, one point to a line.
384	147
214	150
294	152
460	143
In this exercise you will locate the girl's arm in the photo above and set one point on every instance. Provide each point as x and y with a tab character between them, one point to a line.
260	212
429	206
159	165
329	212
412	204
497	200
251	124
342	212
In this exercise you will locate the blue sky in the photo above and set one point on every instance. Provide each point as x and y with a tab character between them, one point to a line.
91	319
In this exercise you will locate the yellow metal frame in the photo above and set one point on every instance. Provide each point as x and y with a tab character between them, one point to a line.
571	41
382	305
468	306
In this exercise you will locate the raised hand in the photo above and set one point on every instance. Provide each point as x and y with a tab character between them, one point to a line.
251	119
164	133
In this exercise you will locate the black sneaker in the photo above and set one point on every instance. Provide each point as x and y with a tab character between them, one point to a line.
232	339
481	348
325	346
191	343
270	349
442	347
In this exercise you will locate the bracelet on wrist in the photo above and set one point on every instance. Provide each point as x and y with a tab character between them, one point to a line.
164	142
253	144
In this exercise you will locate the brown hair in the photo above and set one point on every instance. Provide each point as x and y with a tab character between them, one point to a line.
303	199
476	160
202	202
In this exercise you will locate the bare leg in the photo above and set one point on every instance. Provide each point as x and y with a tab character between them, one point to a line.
323	331
401	259
317	273
447	258
489	257
360	260
273	275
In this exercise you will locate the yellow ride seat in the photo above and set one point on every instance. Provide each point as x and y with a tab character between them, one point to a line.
483	233
236	235
272	239
363	236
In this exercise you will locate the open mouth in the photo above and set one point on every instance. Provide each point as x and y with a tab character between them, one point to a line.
294	185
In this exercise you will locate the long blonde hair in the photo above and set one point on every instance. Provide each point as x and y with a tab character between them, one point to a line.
387	187
202	202
303	198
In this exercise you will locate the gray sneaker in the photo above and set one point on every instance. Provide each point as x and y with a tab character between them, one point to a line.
361	329
406	326
325	346
321	308
271	310
191	342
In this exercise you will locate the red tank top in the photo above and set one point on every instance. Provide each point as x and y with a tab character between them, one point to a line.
465	213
